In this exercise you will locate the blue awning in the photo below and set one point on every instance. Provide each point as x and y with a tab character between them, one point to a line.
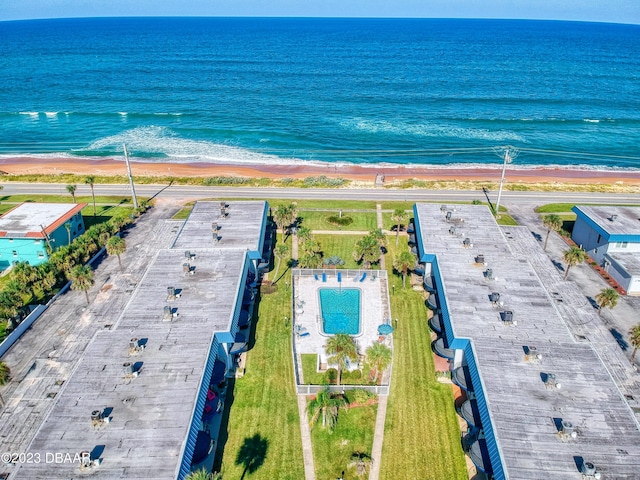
219	369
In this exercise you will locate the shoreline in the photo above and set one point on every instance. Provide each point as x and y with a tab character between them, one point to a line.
357	173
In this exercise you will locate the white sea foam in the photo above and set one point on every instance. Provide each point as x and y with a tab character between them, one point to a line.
162	140
590	120
51	114
430	130
33	115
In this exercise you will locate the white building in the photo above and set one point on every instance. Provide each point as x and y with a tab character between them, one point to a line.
611	236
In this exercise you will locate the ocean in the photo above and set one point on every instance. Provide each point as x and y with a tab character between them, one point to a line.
292	90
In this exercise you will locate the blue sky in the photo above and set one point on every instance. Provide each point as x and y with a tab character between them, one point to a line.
621	11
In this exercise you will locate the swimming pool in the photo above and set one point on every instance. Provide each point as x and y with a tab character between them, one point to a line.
340	310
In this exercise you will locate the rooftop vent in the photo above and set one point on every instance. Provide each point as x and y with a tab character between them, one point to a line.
467	243
613	217
448	215
452	230
171	293
214	226
187	270
507	318
187	254
567	429
494	297
588	470
531	354
223	209
550	380
480	259
131	370
99	417
488	273
135	345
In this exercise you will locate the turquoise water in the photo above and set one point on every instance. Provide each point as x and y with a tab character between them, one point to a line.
340	310
292	91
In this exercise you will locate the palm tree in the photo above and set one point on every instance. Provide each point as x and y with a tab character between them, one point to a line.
379	237
67	225
91	180
341	348
281	251
361	461
607	298
399	216
573	256
634	339
552	222
72	190
326	405
379	357
82	279
403	262
367	250
304	233
5	373
284	216
116	246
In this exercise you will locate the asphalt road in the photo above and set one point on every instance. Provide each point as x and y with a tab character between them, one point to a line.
188	192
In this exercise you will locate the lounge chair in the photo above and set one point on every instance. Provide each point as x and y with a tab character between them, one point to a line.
315	275
324	277
364	275
339	277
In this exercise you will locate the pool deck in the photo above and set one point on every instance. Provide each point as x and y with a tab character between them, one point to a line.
374	308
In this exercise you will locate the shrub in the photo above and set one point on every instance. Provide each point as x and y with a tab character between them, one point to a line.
360	395
342	221
324	181
331	376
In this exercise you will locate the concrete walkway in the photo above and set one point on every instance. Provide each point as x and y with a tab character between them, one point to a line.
380	226
378	434
378	437
307	451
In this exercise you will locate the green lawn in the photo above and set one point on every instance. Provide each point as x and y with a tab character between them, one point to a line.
264	400
112	199
103	213
506	219
332	451
422	437
182	214
362	221
342	246
566	207
313	377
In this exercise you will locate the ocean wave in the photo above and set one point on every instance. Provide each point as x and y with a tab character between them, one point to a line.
161	143
51	114
441	130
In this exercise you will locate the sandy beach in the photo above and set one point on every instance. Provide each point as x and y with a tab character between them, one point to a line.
365	174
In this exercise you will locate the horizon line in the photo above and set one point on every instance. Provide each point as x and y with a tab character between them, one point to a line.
82	17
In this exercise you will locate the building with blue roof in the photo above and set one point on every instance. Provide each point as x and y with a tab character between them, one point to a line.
611	236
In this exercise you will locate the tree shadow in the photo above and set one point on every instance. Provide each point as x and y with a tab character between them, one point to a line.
537	236
620	339
252	454
558	265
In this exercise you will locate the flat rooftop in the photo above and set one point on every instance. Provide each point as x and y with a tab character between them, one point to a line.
28	219
240	227
626	222
630	262
151	414
521	407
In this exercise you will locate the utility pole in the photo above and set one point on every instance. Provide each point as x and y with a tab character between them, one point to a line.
133	190
46	237
509	154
